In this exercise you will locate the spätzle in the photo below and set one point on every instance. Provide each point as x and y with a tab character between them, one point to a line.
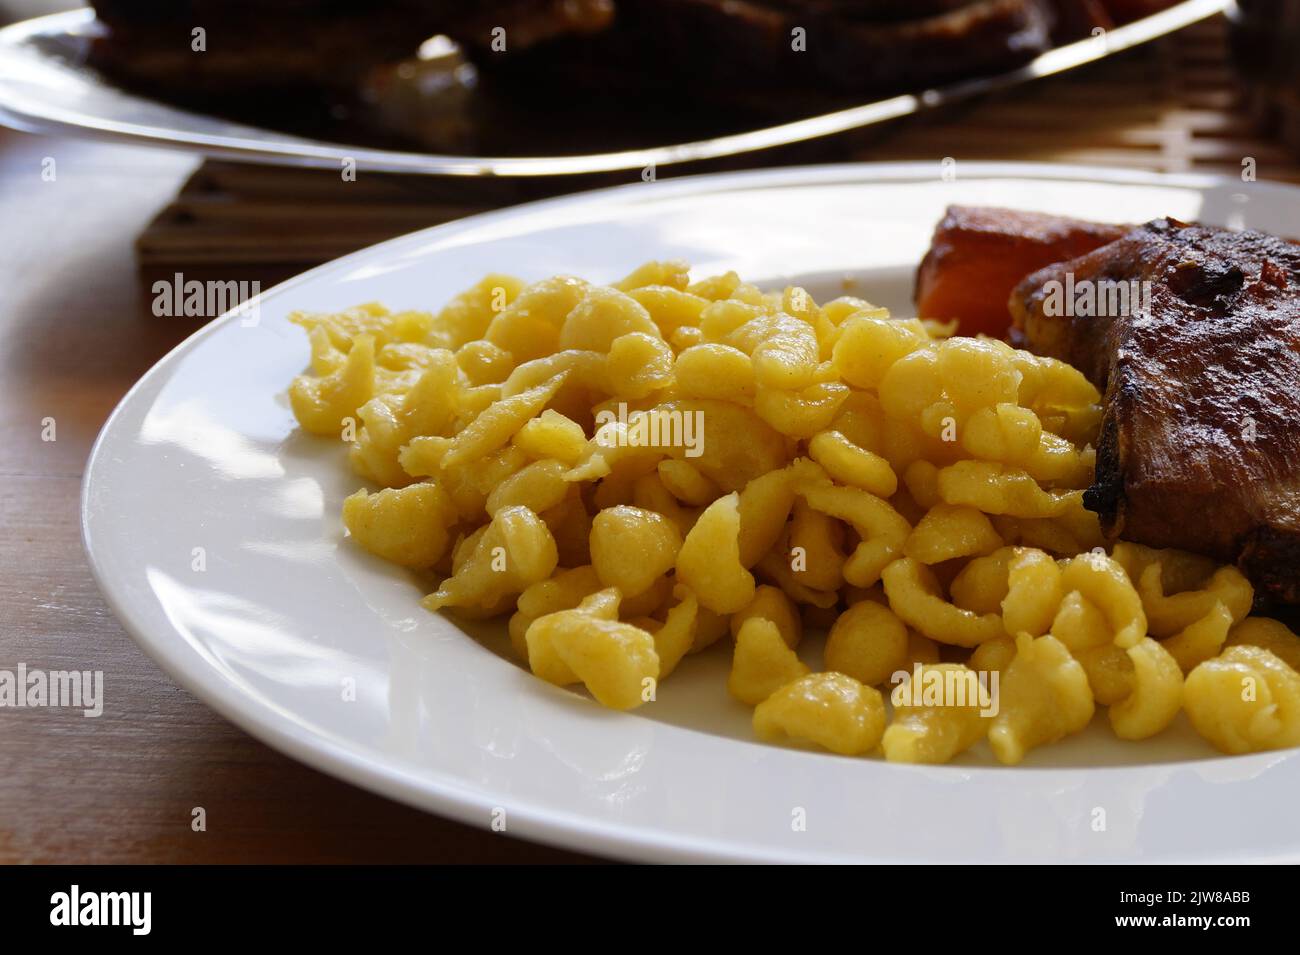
632	472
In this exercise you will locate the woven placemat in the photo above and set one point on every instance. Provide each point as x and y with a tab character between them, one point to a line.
1171	106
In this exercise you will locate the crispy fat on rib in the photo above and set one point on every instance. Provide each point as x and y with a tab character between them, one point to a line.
1200	441
978	254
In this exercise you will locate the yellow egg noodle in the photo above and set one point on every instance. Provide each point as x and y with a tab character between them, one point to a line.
636	472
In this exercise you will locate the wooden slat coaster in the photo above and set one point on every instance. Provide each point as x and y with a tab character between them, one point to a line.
268	215
1173	106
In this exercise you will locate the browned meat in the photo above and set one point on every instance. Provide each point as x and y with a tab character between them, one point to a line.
246	46
255	45
528	23
744	51
1076	19
979	254
1126	10
758	56
870	9
740	52
1200	441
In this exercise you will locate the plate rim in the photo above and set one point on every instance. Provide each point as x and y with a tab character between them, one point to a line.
291	150
435	791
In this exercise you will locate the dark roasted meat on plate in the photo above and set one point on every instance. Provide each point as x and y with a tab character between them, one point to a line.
1200	441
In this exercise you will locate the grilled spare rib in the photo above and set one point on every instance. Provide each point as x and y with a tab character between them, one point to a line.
1200	438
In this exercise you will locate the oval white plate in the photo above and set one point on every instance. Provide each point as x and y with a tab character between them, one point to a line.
287	615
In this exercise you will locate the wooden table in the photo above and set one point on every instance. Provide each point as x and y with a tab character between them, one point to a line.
76	331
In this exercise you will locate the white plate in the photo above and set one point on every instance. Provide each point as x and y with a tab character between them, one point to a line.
203	453
44	88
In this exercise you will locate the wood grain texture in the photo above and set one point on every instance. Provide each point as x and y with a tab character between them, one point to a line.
75	333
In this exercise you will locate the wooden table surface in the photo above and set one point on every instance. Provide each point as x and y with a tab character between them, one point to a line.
76	331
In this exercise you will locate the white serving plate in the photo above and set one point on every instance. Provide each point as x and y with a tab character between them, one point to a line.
44	88
203	452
